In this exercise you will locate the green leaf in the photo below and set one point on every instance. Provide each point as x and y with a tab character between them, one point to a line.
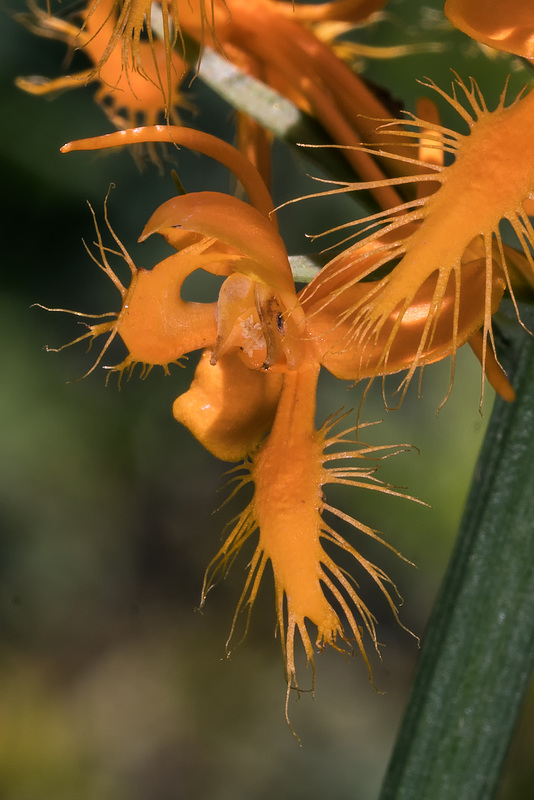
478	651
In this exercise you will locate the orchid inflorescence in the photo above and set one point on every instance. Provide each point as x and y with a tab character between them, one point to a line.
412	282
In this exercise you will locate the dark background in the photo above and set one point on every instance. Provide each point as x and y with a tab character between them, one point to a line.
111	686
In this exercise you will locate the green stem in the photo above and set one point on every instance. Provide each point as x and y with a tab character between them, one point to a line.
478	651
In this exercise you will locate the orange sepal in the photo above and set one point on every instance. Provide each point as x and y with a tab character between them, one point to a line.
156	325
505	26
233	222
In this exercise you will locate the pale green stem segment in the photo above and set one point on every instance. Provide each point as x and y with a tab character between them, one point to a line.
305	268
478	651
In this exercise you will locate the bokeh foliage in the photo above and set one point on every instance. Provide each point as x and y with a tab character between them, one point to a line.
111	685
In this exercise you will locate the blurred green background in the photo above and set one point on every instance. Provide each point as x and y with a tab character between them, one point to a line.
111	686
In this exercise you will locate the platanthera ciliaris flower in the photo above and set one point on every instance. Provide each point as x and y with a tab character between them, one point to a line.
137	53
446	264
253	399
139	77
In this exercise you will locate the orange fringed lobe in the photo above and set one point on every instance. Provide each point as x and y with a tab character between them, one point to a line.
156	325
287	475
424	332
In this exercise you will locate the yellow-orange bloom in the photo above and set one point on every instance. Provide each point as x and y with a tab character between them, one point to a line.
258	372
268	41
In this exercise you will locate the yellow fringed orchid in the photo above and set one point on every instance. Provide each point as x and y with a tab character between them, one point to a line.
266	40
289	471
258	373
138	78
506	26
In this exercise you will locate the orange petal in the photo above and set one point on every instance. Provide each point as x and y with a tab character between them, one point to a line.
156	325
195	140
392	351
506	26
233	222
228	407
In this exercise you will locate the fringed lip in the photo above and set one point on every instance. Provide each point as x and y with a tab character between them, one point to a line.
289	471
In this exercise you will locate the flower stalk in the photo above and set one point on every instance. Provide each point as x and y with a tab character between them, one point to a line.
478	652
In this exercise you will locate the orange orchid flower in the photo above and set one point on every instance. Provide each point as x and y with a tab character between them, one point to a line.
138	78
449	272
258	373
435	243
